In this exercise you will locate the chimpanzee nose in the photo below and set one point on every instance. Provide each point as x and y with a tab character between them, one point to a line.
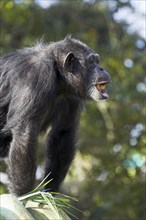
103	76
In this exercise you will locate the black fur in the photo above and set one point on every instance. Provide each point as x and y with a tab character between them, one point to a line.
41	86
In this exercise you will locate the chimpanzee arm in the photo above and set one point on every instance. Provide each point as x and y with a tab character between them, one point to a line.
22	159
61	143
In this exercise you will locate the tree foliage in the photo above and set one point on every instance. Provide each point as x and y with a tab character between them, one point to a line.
112	136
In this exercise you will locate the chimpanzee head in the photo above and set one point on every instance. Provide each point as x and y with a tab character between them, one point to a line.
83	76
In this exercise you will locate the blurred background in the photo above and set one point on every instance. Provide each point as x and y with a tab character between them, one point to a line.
108	175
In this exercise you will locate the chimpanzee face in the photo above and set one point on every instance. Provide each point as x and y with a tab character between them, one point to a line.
88	77
98	78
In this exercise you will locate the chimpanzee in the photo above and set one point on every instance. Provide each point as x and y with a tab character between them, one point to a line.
41	86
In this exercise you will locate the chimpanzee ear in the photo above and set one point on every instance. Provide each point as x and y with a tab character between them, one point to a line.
69	62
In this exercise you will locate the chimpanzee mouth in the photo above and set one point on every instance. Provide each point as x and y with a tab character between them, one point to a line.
100	86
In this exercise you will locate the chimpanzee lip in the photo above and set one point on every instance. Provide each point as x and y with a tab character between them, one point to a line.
100	86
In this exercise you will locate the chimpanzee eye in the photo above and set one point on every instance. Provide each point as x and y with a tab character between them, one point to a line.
91	60
97	58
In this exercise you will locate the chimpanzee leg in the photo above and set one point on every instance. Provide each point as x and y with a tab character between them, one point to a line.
22	160
61	147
